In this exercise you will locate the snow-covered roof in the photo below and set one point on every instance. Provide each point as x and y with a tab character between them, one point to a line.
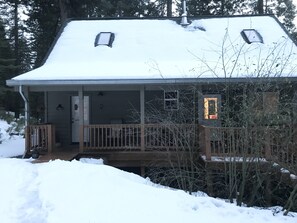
162	49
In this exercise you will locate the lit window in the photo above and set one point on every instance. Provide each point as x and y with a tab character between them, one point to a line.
104	38
251	36
171	100
211	108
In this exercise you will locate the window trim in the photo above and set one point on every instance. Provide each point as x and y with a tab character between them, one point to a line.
248	39
266	102
216	116
171	100
110	42
270	101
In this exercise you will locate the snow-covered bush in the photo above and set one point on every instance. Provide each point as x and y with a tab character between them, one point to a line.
14	126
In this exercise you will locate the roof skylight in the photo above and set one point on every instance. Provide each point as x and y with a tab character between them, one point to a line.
104	38
251	36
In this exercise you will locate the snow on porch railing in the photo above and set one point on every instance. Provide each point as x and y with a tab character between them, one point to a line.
40	137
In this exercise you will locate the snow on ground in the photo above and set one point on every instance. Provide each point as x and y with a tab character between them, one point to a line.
88	191
10	145
62	191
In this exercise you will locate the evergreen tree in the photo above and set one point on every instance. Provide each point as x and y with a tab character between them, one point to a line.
7	61
7	70
43	25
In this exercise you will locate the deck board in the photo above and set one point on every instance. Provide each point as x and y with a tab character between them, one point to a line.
118	158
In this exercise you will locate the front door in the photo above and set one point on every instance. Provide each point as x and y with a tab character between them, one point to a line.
75	116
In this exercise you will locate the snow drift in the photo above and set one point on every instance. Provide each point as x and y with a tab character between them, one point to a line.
61	191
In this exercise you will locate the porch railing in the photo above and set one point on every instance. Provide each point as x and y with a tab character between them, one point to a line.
41	137
139	137
278	144
170	136
119	136
272	143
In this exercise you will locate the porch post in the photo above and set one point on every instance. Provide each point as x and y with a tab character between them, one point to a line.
207	143
142	120
45	107
81	119
267	145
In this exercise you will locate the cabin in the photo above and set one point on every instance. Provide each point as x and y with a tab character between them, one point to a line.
140	92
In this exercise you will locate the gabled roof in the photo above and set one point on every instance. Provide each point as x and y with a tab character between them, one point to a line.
160	50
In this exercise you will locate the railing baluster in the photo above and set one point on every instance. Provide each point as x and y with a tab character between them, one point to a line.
40	137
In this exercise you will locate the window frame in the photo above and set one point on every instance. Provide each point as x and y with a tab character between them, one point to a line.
206	115
270	101
266	102
249	36
108	43
171	100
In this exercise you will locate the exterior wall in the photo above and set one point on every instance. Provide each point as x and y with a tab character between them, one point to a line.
155	111
107	107
62	118
114	107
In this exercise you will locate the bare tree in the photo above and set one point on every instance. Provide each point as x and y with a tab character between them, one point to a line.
258	127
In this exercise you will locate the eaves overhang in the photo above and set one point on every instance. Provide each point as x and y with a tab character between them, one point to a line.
160	81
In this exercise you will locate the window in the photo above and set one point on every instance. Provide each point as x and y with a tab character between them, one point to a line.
104	38
270	102
266	102
251	36
211	108
171	100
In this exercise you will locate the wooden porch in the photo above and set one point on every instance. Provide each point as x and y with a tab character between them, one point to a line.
119	144
141	143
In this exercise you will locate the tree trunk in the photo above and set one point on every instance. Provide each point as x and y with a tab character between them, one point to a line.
260	7
65	10
222	7
16	35
169	8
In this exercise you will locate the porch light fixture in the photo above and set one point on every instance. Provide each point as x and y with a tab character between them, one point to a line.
251	36
60	107
100	93
104	38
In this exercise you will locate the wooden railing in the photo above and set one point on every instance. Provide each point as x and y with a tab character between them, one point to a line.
139	137
170	136
272	143
41	137
119	136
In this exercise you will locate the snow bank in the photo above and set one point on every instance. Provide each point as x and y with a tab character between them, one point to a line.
11	145
61	191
